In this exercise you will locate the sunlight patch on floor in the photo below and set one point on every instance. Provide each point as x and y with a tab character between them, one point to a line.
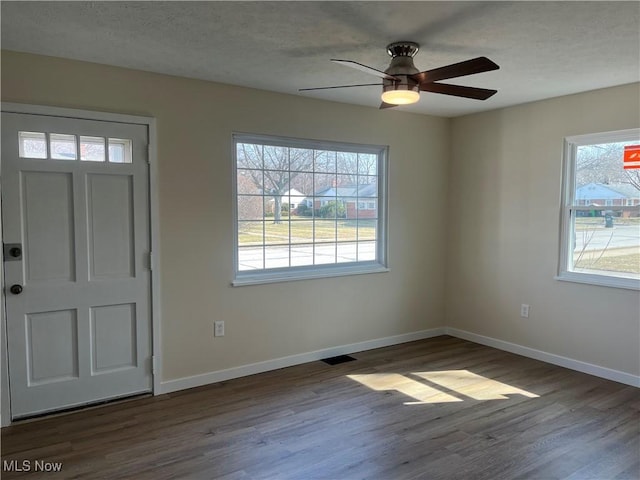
441	386
408	386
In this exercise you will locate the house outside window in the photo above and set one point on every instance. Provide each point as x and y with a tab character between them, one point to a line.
600	237
298	209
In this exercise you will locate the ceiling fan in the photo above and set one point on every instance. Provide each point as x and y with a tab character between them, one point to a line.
402	82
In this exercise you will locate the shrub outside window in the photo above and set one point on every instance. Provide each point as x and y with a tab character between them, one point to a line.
600	239
307	209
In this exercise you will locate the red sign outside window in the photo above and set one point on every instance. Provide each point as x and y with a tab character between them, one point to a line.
631	157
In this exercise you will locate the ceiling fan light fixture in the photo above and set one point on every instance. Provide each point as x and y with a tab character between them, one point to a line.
400	95
402	82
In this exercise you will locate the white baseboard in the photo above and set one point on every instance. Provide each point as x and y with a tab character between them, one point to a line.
584	367
268	365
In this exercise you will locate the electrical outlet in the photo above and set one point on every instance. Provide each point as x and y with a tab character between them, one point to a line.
218	329
524	310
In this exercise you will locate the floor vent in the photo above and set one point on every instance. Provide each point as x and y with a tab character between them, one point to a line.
337	360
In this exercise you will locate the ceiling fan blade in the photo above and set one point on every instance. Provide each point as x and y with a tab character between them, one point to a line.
387	105
468	67
458	90
339	86
364	68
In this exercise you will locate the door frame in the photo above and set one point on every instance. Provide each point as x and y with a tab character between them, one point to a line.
154	218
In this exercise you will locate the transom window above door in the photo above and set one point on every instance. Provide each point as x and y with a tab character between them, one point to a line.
63	146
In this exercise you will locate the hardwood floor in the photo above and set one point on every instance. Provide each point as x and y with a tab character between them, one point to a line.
441	408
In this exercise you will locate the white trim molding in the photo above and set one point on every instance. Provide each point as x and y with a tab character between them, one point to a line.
208	378
289	361
579	366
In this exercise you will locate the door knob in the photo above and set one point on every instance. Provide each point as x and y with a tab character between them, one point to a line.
16	289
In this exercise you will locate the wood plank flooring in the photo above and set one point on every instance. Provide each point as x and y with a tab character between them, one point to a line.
441	408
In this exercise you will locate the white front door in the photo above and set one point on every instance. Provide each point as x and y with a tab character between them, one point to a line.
75	213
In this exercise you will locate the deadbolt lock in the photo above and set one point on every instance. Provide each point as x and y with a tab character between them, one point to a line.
12	252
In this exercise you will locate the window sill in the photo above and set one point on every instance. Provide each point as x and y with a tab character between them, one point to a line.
600	280
247	278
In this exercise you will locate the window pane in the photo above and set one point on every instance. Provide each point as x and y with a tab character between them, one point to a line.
32	145
325	253
605	242
606	239
368	180
324	185
324	230
366	251
301	230
301	255
249	156
325	162
347	184
63	147
250	258
275	182
276	158
250	207
249	182
347	230
347	164
602	222
92	149
120	150
300	206
367	164
250	233
347	252
601	179
367	229
276	233
276	257
301	159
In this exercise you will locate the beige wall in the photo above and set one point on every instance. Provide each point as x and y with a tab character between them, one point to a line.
195	120
503	239
498	231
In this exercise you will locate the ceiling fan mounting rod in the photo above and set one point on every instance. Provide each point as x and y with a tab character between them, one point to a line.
401	65
402	49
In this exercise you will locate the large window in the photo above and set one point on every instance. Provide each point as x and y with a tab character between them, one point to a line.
308	209
601	210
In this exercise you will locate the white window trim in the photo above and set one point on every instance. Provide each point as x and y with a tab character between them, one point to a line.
567	231
250	277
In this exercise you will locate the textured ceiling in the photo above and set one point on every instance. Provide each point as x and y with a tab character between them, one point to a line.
544	49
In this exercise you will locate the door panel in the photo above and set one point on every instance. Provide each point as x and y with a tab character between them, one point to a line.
75	196
48	226
113	333
111	240
52	346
